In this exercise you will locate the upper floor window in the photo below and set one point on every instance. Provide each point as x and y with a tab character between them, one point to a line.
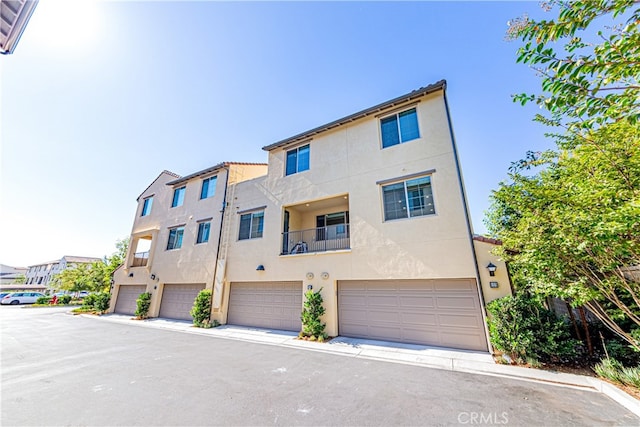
203	232
408	199
399	128
175	238
208	187
178	197
146	207
251	225
298	160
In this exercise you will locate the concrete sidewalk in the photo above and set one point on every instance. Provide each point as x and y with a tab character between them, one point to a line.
431	357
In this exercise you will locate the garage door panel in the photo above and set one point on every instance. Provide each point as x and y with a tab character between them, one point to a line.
458	303
177	300
432	312
127	297
275	305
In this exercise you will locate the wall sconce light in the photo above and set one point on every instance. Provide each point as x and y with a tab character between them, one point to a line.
130	274
153	277
324	275
310	276
260	268
492	269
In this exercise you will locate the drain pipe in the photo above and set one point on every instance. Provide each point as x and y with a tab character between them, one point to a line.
466	215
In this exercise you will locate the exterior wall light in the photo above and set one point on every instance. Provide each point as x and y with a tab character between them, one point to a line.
310	276
492	269
324	275
260	268
130	274
153	277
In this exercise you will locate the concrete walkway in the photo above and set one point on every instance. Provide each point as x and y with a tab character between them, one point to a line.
431	357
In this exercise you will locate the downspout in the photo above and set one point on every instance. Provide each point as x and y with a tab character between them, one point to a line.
467	216
222	211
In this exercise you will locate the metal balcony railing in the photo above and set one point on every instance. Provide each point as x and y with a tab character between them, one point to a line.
140	259
321	239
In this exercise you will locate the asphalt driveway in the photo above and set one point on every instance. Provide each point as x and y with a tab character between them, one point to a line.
59	369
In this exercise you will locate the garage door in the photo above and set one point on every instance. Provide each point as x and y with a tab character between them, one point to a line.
273	305
177	301
127	296
444	313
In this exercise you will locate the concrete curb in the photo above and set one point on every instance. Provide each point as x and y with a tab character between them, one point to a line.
430	357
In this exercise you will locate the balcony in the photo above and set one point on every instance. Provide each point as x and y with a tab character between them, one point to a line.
320	239
140	259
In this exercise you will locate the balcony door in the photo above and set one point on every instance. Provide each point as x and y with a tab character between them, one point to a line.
332	226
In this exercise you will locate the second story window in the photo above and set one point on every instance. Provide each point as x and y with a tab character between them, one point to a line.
203	232
408	199
178	197
175	238
146	207
399	128
208	187
251	225
298	160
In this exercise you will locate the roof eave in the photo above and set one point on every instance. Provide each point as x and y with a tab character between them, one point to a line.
440	85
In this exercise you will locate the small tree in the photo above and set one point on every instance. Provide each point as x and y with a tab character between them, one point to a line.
201	310
143	303
312	326
101	302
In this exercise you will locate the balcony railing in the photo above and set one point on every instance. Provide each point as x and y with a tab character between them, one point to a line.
321	239
140	259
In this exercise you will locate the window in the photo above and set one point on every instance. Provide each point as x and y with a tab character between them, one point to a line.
332	226
251	225
408	199
203	232
298	160
178	197
399	128
175	238
146	207
208	187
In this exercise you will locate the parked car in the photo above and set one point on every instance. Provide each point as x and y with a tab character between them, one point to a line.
4	294
21	298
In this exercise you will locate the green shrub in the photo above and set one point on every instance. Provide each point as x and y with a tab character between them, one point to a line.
313	310
64	299
610	369
522	328
45	299
143	303
101	302
89	300
201	310
631	376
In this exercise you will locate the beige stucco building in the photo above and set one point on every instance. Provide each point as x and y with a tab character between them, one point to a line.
370	209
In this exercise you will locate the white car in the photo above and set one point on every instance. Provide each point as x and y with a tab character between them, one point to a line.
21	298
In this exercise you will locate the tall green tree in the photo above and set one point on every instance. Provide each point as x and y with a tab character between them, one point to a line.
570	223
95	277
588	58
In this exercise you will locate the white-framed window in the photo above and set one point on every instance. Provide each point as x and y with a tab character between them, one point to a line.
146	207
178	197
251	225
400	127
208	187
175	238
298	160
204	228
408	199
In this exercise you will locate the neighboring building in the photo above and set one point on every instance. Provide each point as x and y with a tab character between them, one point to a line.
41	274
494	276
174	240
14	16
369	208
12	275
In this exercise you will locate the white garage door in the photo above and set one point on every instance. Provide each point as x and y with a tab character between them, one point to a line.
444	313
273	305
177	301
127	296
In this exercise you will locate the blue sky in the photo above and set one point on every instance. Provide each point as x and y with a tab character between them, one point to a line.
94	110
